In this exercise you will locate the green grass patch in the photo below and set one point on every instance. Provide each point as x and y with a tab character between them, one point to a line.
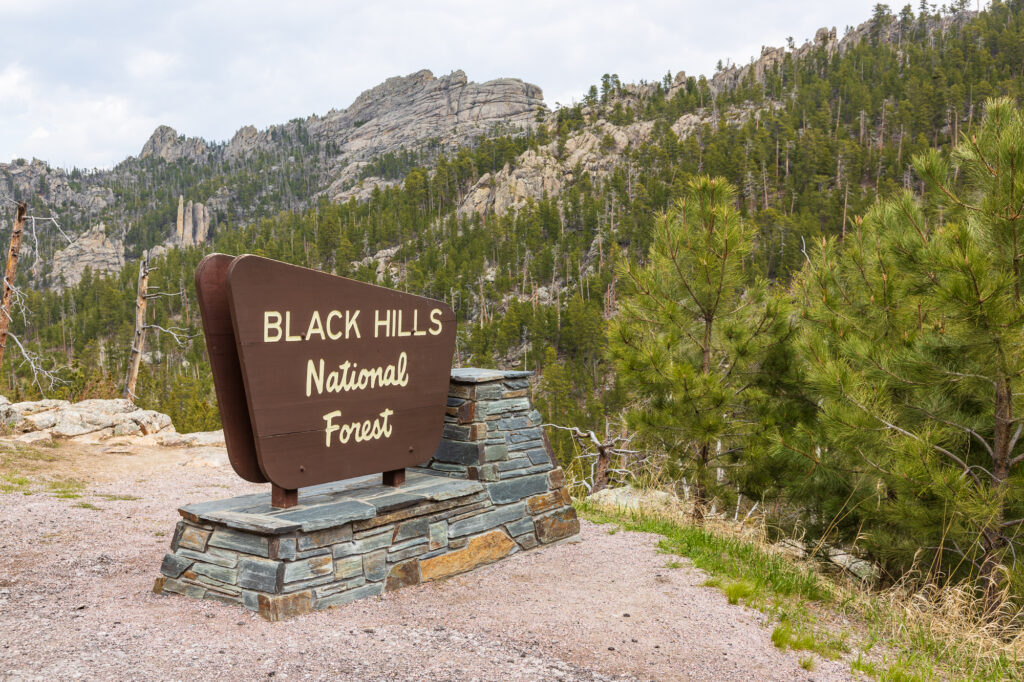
86	505
860	665
9	483
741	589
724	557
672	563
66	487
119	498
799	637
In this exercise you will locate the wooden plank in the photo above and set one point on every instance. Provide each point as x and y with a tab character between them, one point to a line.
211	289
343	378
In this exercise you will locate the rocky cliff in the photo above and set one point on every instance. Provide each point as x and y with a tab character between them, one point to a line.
403	113
166	144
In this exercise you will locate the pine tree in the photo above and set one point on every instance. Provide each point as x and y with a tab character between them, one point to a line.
690	335
913	342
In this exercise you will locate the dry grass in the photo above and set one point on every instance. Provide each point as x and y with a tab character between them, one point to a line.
17	459
950	624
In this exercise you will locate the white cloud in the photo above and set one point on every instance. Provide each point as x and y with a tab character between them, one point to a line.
151	64
66	125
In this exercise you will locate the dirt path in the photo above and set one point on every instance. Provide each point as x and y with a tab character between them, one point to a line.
75	600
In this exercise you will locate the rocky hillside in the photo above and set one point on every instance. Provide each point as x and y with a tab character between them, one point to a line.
600	147
179	188
401	114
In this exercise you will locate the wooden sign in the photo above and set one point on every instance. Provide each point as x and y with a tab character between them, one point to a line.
341	378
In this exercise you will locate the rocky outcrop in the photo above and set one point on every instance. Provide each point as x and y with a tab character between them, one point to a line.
193	224
36	178
166	144
380	262
187	226
403	112
825	39
94	419
596	150
179	225
94	249
362	190
732	76
200	224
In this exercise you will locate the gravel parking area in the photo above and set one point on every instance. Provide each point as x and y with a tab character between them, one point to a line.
76	600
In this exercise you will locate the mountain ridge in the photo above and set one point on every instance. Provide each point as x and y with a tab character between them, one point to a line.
289	166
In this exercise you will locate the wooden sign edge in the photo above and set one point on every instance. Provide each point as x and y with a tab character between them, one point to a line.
226	369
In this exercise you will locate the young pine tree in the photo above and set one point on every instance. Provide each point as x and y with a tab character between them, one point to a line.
914	343
690	336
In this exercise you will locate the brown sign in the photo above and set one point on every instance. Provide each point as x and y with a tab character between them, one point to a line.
341	378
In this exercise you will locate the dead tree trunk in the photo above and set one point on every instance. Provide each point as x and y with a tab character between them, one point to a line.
9	273
139	338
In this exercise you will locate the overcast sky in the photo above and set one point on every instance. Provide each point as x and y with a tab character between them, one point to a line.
85	83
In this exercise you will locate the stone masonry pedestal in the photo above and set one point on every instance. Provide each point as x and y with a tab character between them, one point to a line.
492	489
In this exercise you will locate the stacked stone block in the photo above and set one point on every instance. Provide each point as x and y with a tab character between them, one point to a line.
493	435
490	491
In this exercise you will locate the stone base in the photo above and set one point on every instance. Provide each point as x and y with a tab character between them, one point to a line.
489	491
342	543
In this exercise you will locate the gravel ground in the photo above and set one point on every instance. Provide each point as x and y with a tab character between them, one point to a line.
76	601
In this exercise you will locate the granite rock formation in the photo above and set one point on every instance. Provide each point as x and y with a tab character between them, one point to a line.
93	419
402	113
166	144
193	224
94	249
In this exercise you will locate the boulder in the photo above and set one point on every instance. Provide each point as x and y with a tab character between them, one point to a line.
96	418
633	498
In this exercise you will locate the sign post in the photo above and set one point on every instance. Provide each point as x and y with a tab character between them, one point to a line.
321	378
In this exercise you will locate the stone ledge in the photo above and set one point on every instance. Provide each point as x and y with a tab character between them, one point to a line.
284	568
475	375
327	506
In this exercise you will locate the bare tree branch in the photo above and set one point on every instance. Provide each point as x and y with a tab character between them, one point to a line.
35	363
180	336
